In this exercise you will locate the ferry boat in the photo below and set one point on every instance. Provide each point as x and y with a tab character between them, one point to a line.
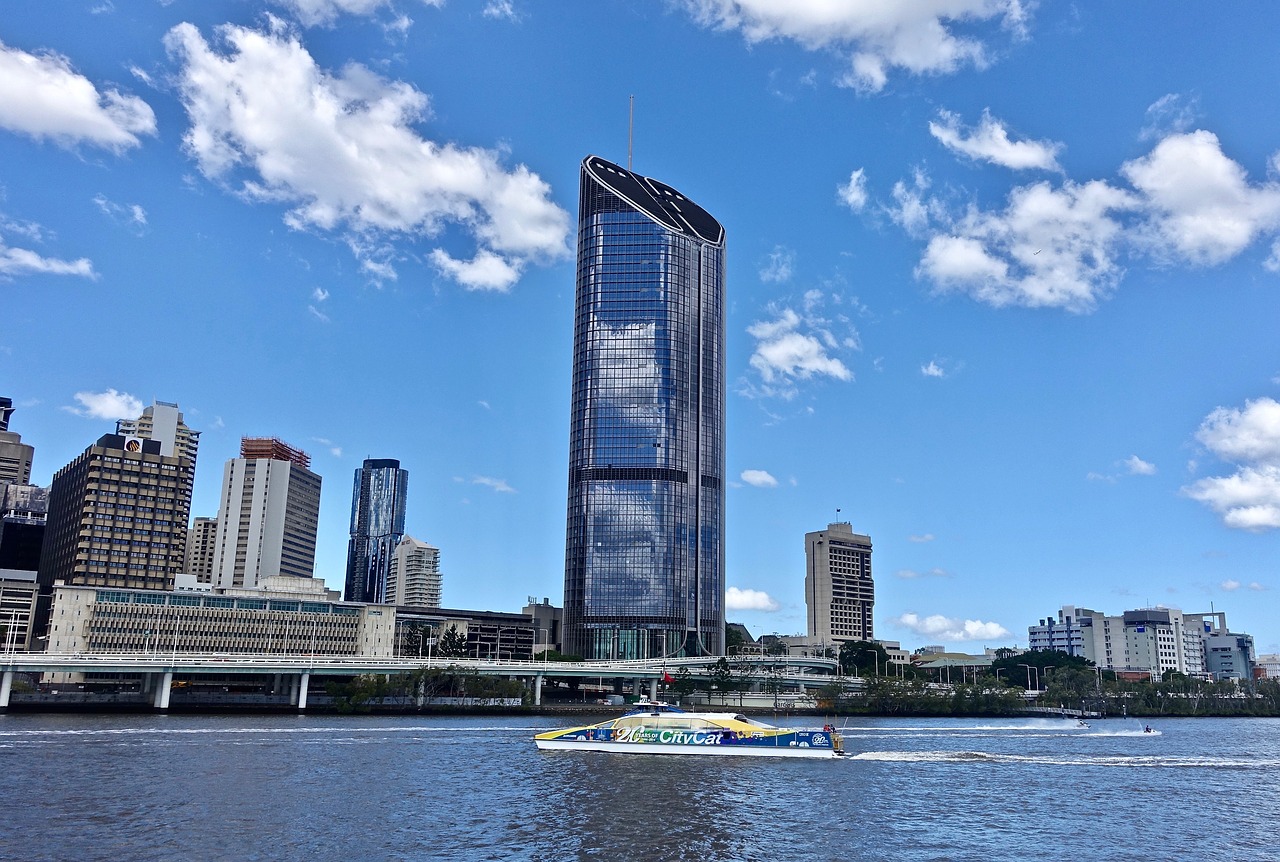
659	728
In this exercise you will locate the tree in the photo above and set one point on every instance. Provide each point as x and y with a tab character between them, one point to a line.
733	639
856	658
683	682
452	644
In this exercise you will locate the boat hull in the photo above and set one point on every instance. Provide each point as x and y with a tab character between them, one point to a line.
663	748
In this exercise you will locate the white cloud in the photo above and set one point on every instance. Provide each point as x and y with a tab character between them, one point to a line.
1201	207
314	13
876	36
1169	114
933	369
318	314
792	347
943	628
759	479
1230	585
106	405
853	194
334	449
132	216
42	96
918	539
1062	246
1248	435
1048	248
20	261
990	142
341	149
1256	587
319	294
749	600
1137	467
911	574
1248	499
778	269
499	485
504	9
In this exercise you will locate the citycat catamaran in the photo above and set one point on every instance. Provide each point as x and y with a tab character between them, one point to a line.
659	728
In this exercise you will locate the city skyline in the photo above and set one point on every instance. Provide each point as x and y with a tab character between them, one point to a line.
1006	300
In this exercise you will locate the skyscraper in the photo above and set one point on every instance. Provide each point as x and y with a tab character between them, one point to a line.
163	422
644	550
838	588
377	526
414	580
15	456
117	518
269	515
202	547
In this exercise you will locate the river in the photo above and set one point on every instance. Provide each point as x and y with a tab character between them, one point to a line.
319	788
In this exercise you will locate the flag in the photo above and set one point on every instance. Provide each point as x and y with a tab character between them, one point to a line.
667	678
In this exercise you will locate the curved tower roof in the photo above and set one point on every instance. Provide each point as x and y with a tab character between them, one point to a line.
657	200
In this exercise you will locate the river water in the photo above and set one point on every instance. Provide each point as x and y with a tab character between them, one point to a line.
318	788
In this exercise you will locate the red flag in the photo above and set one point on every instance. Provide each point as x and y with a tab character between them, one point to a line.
666	677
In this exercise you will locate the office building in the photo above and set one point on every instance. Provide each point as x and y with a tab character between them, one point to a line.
548	622
644	549
281	615
838	589
202	547
377	526
414	578
24	510
163	422
269	515
1148	641
18	590
117	518
15	456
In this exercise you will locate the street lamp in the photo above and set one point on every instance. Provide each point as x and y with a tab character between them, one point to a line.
875	653
1031	667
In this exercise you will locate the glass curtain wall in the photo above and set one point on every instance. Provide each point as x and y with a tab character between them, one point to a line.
377	526
644	569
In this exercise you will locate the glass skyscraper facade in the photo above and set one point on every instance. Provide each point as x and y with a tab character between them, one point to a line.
377	526
644	555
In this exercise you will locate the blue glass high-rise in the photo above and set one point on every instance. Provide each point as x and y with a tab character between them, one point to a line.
377	526
644	551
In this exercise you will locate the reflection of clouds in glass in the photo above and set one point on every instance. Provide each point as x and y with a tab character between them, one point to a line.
628	549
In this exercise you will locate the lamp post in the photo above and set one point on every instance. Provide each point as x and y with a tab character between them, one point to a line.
876	654
1031	667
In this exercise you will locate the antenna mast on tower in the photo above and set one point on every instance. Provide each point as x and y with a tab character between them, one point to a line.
631	127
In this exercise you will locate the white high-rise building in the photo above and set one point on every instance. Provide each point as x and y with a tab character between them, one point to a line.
414	580
838	589
269	515
1148	640
162	421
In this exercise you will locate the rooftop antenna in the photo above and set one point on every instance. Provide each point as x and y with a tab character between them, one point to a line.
631	127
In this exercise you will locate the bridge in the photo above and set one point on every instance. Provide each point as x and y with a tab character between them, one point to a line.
158	669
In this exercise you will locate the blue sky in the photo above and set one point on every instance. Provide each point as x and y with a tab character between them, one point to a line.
1004	277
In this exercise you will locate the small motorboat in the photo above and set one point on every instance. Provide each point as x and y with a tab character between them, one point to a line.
659	728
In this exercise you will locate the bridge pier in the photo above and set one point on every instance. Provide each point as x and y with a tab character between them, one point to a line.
653	690
161	700
537	690
304	681
6	686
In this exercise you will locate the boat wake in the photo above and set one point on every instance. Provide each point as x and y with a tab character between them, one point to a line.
1121	761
